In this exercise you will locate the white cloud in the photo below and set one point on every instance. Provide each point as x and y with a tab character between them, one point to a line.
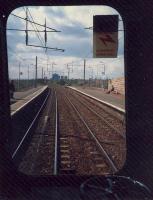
85	14
70	19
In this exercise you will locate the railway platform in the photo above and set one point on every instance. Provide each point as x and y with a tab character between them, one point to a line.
117	100
22	98
25	93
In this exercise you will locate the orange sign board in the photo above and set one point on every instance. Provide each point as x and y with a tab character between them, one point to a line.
105	45
105	37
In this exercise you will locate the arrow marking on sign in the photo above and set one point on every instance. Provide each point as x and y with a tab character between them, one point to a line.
106	39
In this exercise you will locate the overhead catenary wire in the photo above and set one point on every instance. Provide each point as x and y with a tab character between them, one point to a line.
44	43
34	27
34	22
91	27
37	32
73	62
30	30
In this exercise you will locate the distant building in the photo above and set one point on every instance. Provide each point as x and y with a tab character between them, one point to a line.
55	77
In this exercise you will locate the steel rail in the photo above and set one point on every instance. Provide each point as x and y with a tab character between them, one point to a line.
108	159
41	130
102	118
56	140
30	127
117	109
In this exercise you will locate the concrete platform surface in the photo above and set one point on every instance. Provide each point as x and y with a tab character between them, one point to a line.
22	98
114	99
23	94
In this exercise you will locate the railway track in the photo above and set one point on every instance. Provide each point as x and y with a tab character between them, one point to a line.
41	155
112	138
68	139
79	153
101	143
23	142
111	117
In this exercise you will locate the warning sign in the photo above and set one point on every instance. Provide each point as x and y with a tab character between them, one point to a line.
105	36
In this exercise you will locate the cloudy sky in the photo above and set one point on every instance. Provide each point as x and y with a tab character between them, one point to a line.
73	38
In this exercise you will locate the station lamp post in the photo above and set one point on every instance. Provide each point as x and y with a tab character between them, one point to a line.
20	73
53	67
103	74
28	77
19	76
34	74
91	76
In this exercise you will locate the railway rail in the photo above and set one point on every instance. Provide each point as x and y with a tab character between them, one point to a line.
112	136
71	138
23	143
113	119
42	154
95	139
102	140
110	105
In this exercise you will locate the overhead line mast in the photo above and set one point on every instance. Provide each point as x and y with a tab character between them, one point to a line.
36	29
26	26
45	36
44	43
